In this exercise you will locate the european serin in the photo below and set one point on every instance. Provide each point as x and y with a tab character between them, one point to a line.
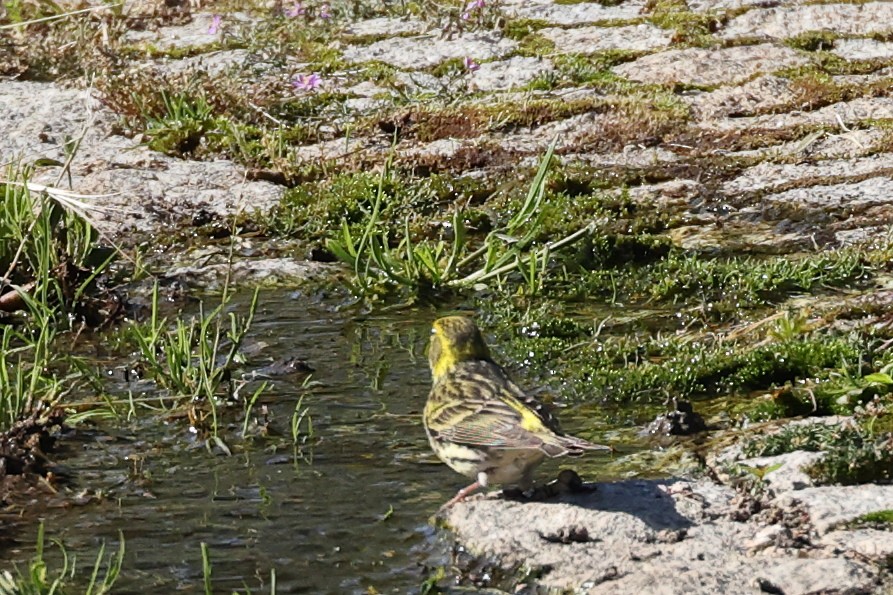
478	421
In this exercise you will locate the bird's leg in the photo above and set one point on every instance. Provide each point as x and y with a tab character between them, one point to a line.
461	494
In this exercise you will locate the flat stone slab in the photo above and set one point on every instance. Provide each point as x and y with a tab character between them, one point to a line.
587	40
837	114
503	75
829	507
648	537
773	176
783	22
821	203
863	49
385	27
423	51
871	543
200	31
760	94
144	190
726	5
702	66
574	14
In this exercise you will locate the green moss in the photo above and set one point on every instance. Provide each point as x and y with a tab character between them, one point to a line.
592	69
690	28
879	517
718	283
853	453
632	367
535	45
519	29
812	41
314	210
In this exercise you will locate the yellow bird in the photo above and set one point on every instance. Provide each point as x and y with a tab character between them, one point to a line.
478	421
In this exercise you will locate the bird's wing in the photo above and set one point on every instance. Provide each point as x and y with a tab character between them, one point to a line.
487	411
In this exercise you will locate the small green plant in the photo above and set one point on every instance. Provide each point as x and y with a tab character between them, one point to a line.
193	358
41	580
49	261
185	121
206	570
451	263
854	453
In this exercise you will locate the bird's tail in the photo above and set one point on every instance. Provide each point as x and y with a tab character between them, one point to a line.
572	446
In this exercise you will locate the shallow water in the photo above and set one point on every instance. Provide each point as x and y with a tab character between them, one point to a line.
347	514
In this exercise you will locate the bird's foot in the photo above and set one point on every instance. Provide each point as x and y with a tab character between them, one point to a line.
461	495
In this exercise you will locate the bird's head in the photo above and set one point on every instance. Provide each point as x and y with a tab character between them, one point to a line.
454	339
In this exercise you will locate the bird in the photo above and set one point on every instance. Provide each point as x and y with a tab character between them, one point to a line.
479	422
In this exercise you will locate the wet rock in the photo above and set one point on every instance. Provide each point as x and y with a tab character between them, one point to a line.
702	66
587	40
26	474
782	22
268	272
682	421
429	50
284	367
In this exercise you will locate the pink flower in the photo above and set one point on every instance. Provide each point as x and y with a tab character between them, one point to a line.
296	10
307	82
465	16
471	65
325	12
215	25
476	5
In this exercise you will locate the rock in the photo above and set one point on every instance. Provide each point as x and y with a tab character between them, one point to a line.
573	14
836	115
138	189
650	537
871	543
587	40
783	22
863	49
268	272
508	74
200	31
788	471
385	27
682	421
429	50
760	94
771	177
702	66
829	507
